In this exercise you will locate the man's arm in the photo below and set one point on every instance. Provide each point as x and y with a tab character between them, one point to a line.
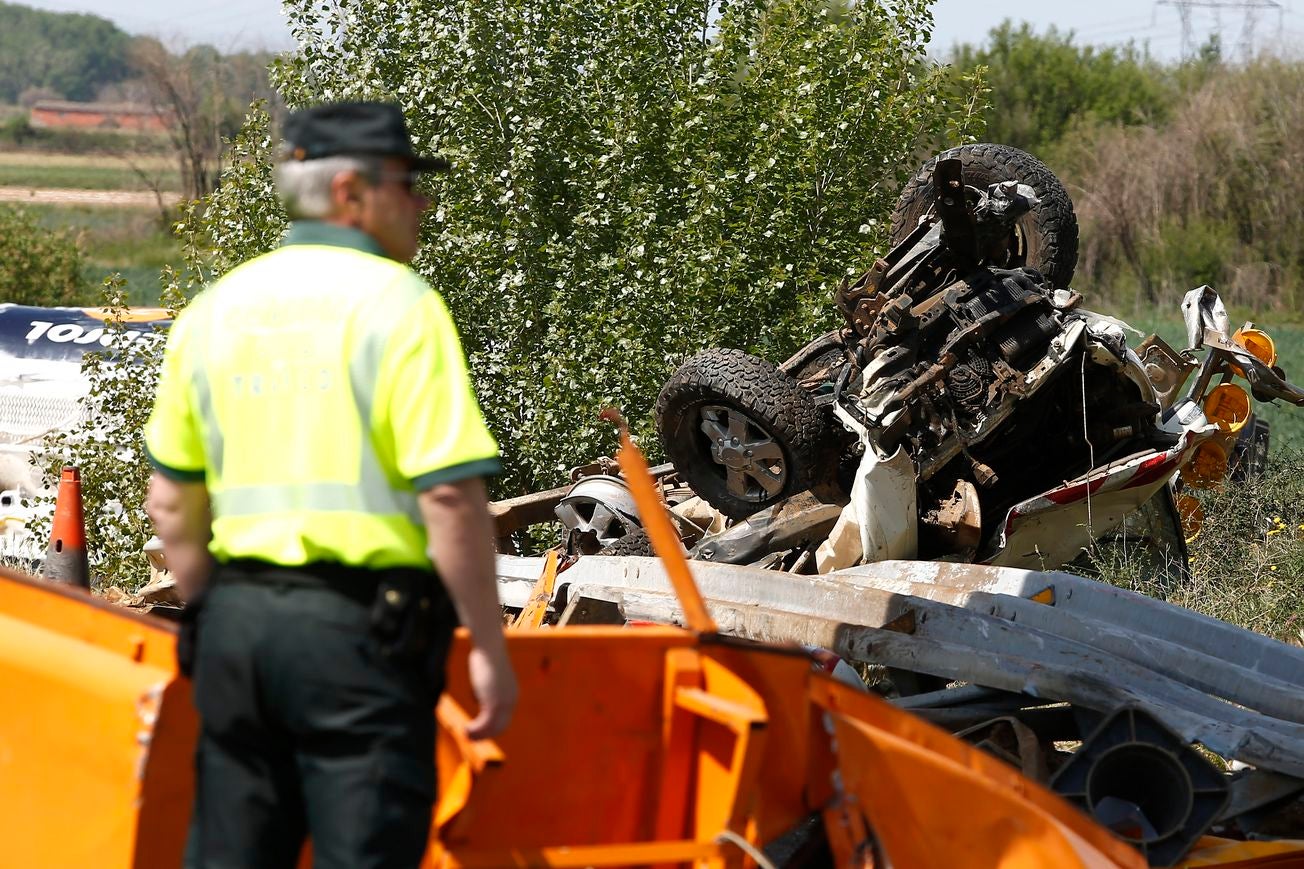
182	519
461	546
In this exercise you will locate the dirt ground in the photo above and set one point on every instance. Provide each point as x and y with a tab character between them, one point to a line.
111	198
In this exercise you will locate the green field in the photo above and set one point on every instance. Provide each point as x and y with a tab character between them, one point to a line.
88	177
144	171
132	242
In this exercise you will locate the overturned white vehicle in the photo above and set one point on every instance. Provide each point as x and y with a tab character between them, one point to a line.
43	391
970	410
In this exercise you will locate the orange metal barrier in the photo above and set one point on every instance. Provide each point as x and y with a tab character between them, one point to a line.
649	746
630	747
96	732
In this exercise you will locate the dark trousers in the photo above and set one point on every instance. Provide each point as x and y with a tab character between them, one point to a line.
307	730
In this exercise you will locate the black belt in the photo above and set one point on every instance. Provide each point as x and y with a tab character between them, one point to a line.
357	583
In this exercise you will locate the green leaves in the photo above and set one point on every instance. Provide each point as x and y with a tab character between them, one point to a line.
1042	85
38	266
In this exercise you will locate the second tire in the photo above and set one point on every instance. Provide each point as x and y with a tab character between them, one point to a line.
743	434
1048	233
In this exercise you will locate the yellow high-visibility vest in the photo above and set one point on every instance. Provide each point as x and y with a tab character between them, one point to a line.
315	390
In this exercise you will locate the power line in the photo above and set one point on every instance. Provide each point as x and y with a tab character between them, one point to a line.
1139	22
1250	10
1131	33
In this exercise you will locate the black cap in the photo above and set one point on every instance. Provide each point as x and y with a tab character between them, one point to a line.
354	128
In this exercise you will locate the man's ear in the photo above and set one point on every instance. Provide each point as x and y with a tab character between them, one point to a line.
346	194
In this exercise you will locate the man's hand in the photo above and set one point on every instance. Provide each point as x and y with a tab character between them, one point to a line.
461	546
180	512
494	684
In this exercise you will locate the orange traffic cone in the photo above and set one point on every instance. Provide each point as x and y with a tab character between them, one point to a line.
65	560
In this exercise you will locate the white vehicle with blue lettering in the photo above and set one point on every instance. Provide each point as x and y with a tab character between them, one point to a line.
41	380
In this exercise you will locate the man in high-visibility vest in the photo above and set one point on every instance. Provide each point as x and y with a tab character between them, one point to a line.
318	456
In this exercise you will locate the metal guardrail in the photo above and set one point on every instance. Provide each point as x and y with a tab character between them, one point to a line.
1046	635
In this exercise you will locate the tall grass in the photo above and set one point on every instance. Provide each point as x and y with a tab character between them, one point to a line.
1215	195
1246	564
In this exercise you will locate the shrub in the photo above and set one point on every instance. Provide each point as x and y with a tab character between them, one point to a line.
1190	253
38	266
1043	85
1219	188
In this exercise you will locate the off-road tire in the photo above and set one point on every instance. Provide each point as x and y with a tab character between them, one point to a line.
840	451
768	397
1050	230
635	542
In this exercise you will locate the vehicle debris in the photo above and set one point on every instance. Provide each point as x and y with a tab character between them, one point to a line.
928	417
900	490
957	368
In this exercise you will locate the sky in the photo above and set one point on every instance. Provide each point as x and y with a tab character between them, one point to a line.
1278	25
228	25
249	24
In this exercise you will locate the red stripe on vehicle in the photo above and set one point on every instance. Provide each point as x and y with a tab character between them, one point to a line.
1152	469
1076	493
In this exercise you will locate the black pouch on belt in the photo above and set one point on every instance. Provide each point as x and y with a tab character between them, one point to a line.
188	634
404	613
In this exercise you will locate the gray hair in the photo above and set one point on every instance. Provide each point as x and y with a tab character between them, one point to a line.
305	185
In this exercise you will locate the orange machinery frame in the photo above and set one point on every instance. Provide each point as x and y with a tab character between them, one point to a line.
648	746
631	747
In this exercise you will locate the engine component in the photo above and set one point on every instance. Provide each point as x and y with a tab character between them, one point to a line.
956	522
1025	334
967	382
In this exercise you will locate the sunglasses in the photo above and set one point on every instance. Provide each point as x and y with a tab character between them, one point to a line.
406	178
